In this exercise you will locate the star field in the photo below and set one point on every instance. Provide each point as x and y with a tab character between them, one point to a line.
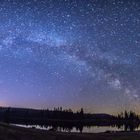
70	53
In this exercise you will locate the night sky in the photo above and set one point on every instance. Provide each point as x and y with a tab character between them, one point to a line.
70	53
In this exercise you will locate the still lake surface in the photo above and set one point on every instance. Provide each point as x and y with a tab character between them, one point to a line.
85	129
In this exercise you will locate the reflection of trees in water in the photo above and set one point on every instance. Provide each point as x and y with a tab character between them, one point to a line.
79	128
128	126
131	127
67	127
62	128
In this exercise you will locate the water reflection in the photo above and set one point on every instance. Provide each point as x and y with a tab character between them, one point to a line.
83	129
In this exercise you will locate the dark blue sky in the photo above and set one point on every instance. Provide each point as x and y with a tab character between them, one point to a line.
70	53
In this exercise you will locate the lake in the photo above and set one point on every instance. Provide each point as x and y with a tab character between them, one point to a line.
84	129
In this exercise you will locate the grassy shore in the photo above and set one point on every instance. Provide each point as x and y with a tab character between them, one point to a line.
17	133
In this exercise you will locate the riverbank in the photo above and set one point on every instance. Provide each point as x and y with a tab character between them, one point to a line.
8	132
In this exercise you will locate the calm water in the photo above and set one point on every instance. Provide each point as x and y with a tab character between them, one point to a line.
91	129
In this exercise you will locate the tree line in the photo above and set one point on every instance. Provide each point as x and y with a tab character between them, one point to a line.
67	118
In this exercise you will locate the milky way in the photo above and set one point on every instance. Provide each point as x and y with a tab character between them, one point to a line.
70	53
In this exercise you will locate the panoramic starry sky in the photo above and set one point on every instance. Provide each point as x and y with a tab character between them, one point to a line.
70	53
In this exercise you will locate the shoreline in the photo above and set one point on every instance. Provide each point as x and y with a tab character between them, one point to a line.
10	132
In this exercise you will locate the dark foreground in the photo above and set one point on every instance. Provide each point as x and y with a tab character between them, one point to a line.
17	133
